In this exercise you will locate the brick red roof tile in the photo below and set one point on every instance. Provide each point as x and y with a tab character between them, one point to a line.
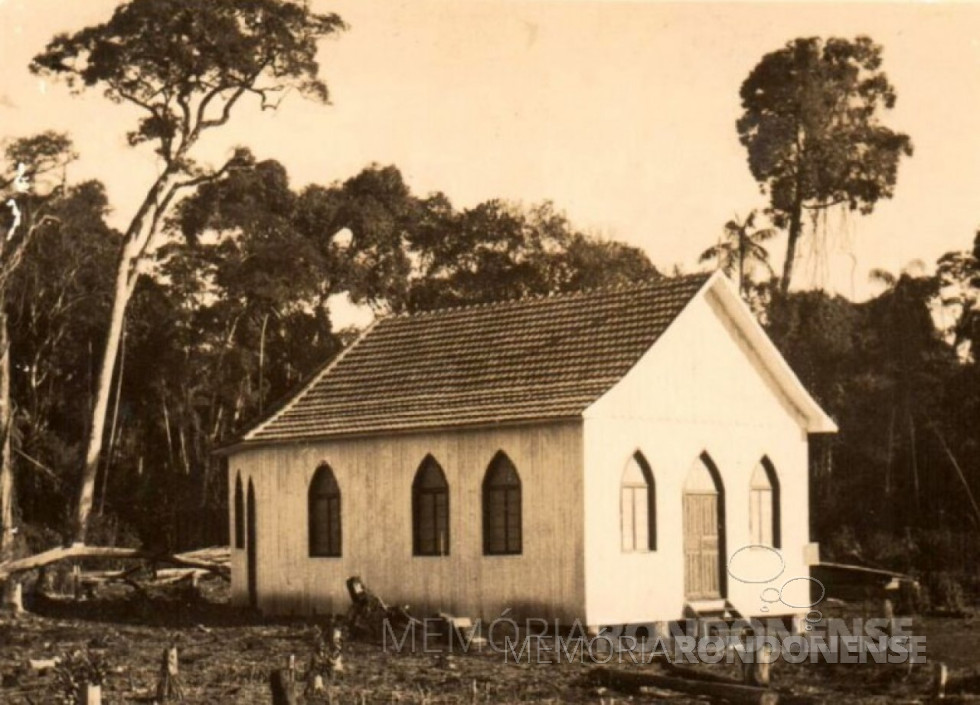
532	359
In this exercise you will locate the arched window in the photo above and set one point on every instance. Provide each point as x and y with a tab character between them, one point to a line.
501	508
764	505
638	506
324	513
430	510
239	512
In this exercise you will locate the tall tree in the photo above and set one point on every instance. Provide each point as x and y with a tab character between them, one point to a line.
57	305
811	125
26	161
185	64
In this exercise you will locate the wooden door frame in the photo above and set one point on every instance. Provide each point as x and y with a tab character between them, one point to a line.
721	517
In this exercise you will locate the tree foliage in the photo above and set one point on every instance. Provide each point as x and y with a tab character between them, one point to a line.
497	250
185	65
246	269
901	397
959	280
811	126
55	303
741	251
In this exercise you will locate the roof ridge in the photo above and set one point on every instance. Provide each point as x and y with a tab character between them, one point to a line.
621	286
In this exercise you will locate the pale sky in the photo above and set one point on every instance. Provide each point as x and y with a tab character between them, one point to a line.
622	113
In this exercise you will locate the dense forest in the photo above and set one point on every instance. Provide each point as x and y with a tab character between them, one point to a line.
216	300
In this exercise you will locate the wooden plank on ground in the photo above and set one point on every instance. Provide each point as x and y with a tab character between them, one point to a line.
632	681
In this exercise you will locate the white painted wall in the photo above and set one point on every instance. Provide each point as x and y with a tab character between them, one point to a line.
698	389
375	477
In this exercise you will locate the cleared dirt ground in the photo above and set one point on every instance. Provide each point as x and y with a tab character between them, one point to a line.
226	657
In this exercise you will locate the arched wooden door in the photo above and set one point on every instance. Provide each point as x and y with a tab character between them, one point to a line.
703	532
250	553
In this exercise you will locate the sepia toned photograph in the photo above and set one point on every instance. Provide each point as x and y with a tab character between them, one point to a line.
489	351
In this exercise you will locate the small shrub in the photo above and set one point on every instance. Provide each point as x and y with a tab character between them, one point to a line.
945	592
888	550
77	669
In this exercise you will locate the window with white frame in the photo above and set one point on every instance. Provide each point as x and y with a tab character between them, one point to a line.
764	505
638	512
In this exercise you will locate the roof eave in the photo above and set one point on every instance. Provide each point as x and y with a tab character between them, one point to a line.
255	443
816	420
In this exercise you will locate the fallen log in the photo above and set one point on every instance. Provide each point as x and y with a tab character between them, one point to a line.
43	665
688	673
213	554
77	551
633	681
163	577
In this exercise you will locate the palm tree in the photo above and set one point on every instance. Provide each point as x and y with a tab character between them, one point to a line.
741	249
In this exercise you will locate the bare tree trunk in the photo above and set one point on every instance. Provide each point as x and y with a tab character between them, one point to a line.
741	260
166	425
915	461
138	235
115	422
183	449
891	453
796	216
795	230
100	408
6	466
265	323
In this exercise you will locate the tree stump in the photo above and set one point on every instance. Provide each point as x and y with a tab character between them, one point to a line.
757	672
169	687
281	683
90	694
13	597
888	612
939	680
76	582
314	685
327	659
757	663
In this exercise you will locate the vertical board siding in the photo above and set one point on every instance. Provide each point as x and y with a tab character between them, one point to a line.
375	477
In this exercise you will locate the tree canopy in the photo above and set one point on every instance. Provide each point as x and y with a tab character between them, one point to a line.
811	126
244	267
184	64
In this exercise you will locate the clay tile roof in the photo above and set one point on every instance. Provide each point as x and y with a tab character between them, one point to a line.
531	359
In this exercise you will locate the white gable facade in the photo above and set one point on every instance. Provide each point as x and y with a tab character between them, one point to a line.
709	390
